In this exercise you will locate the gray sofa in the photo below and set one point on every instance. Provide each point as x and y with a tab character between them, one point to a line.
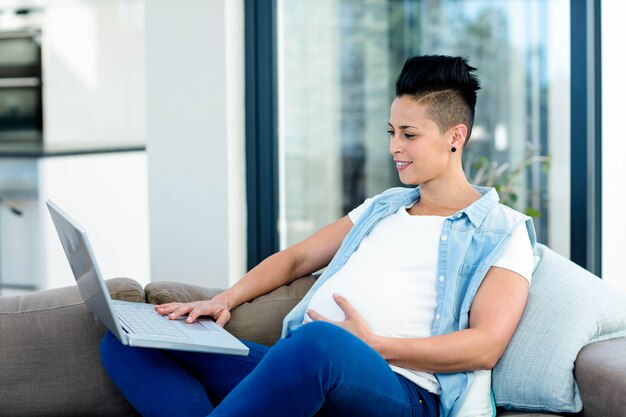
49	359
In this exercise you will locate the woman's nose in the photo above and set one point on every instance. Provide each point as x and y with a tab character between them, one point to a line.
394	145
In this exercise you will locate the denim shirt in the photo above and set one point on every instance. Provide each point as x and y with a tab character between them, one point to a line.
471	240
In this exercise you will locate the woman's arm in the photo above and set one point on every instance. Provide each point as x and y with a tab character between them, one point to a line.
306	257
281	268
496	311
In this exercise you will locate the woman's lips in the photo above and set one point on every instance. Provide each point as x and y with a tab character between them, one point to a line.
400	165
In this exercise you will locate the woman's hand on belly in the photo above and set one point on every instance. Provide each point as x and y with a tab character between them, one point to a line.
353	323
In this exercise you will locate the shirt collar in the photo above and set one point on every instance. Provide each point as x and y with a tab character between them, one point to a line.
476	212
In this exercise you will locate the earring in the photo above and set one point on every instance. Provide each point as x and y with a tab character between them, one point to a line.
453	149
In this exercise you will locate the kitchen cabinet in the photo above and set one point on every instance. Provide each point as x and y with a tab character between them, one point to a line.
104	189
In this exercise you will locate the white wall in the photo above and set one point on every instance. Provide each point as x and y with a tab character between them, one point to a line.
194	135
613	149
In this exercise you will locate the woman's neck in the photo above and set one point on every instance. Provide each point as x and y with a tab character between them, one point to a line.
444	199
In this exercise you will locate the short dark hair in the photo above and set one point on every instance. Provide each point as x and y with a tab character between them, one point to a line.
446	84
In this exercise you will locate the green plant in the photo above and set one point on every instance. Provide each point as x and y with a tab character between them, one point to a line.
505	177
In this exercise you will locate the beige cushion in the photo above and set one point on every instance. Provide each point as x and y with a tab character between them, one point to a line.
258	321
49	355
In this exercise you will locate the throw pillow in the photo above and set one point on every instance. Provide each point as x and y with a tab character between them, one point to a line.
568	308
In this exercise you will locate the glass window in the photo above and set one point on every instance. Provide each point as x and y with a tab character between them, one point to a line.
338	60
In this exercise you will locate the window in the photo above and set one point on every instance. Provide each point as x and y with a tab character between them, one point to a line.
337	63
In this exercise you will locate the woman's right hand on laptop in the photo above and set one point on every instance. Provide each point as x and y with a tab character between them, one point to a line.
216	308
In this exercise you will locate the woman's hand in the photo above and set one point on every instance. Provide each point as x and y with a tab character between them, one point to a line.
216	307
353	323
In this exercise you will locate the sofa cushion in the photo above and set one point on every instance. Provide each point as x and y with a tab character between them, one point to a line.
163	292
259	320
567	308
49	355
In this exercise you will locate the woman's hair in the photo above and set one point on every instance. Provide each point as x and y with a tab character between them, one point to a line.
445	84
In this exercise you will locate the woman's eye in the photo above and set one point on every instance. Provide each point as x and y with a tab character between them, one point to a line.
409	136
390	132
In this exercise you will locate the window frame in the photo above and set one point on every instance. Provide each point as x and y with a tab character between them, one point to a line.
586	135
261	99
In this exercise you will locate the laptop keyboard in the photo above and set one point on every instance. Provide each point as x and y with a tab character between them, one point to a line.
141	320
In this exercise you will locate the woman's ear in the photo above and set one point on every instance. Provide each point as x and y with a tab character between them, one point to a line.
459	134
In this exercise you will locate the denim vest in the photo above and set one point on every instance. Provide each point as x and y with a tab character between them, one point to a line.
471	241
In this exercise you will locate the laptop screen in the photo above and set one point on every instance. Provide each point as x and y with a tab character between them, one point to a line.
83	264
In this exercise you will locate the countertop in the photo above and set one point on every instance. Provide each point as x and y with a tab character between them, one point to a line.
41	150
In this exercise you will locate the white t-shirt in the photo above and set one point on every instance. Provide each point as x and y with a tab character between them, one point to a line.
391	281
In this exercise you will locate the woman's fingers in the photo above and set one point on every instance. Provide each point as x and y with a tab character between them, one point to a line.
200	310
345	305
315	316
196	309
166	308
181	310
223	318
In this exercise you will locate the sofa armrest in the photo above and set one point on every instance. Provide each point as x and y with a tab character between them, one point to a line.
259	320
600	371
49	355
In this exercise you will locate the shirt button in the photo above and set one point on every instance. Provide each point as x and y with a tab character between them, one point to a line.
444	238
458	215
442	278
438	316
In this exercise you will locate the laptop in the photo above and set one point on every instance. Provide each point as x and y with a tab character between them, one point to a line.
134	324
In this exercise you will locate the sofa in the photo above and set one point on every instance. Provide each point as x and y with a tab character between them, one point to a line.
49	357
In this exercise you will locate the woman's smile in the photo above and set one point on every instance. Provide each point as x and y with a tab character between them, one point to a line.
400	165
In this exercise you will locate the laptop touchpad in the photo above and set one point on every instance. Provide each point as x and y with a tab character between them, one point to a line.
195	326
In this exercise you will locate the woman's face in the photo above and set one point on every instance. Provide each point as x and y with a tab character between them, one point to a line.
420	150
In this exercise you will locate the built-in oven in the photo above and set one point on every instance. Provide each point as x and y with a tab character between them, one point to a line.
21	114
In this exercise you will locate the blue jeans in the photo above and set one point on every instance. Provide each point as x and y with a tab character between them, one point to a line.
318	370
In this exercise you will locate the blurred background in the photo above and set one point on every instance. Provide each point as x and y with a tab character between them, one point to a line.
194	139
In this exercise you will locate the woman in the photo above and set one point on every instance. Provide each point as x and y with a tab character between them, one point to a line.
423	291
